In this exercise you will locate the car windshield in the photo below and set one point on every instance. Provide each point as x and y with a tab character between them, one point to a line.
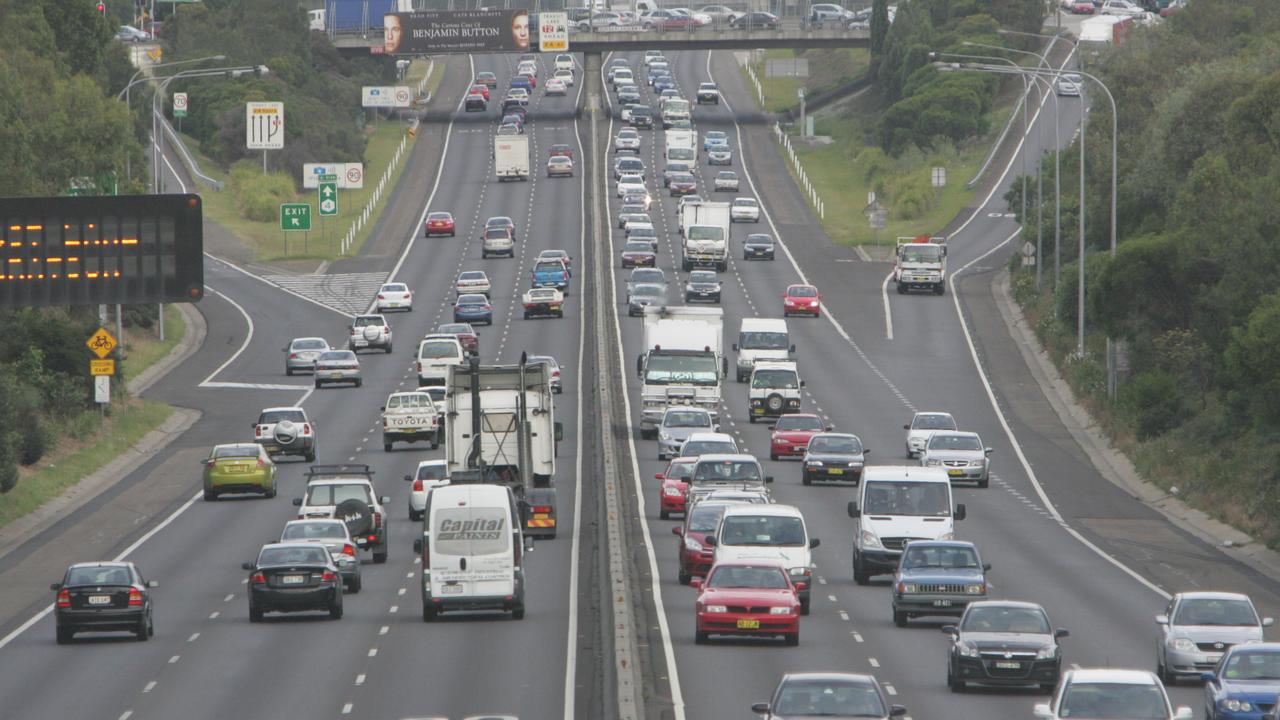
784	379
922	253
1213	611
818	698
906	498
761	530
682	178
394	287
762	341
705	519
311	344
644	289
335	494
736	576
727	471
456	328
542	294
676	168
702	276
726	175
1005	619
641	247
933	422
954	442
940	556
275	416
804	291
1113	701
760	239
315	531
695	369
336	356
744	202
549	265
473	275
845	445
1252	665
409	401
799	422
368	320
433	471
681	470
108	575
472	300
438	350
707	447
686	418
291	555
561	160
236	451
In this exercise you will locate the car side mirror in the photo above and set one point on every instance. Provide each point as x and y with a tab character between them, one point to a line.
988	451
1162	619
559	427
246	566
986	567
677	530
695	583
716	428
384	499
417	546
791	349
408	478
528	543
814	542
801	383
853	509
898	711
383	408
659	476
760	708
1183	713
284	349
949	630
710	541
153	583
866	451
735	347
960	511
768	479
833	427
906	427
1208	677
297	502
1061	633
1042	711
1268	622
55	586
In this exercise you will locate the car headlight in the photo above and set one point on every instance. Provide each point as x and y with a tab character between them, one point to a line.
662	435
870	540
977	463
1183	644
671	492
1047	653
968	649
715	609
1237	705
691	544
947	536
933	463
975	588
907	588
779	611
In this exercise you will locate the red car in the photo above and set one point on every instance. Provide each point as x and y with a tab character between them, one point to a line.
1082	7
791	435
675	481
699	521
533	79
747	598
482	90
561	151
801	300
467	336
487	79
440	223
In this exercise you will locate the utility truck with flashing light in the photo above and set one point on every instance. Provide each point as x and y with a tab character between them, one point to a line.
683	362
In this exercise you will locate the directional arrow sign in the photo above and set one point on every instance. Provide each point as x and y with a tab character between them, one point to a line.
295	216
328	198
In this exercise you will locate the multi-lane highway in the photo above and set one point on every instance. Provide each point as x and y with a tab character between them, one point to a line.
1057	533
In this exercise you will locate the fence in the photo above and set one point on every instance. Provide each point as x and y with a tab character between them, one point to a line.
803	177
751	72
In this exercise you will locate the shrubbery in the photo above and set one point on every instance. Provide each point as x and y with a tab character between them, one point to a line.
259	196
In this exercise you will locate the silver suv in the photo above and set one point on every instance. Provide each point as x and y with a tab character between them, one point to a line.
368	332
346	493
286	431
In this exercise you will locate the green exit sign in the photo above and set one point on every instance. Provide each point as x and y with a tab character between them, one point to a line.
295	216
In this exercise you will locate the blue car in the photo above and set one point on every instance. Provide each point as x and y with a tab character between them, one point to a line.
714	138
522	81
1245	684
473	308
665	83
550	273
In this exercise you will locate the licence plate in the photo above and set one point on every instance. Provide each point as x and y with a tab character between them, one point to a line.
361	342
955	473
1005	665
292	579
335	376
942	603
745	624
758	411
835	471
238	469
99	599
451	590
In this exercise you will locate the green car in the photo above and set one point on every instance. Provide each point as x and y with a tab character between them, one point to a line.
239	468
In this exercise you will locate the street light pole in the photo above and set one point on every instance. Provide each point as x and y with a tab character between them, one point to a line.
128	162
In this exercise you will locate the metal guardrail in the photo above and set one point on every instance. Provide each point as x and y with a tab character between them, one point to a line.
187	158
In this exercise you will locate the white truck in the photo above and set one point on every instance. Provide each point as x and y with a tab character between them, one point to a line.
705	227
500	429
683	362
674	110
921	264
680	145
511	157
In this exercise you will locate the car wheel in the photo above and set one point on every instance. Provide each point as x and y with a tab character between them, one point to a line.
435	444
269	493
386	447
380	557
794	638
517	613
335	611
752	418
64	634
288	371
899	618
210	496
429	613
1162	671
805	479
741	377
310	456
860	574
318	383
683	577
699	637
902	288
664	514
957	685
414	515
361	382
388	351
804	607
773	456
985	482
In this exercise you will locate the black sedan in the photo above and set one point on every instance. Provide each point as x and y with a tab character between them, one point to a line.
1002	642
292	577
756	21
833	457
703	285
103	597
758	245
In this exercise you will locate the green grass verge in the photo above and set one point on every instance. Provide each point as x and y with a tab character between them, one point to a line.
97	444
827	68
143	347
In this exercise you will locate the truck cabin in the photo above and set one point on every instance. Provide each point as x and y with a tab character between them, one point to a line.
922	253
705	232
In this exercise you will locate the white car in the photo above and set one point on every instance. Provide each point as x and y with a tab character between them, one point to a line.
395	296
922	426
1108	693
286	431
622	76
368	332
1068	85
473	281
1123	8
430	475
348	489
744	210
521	94
726	181
556	86
631	184
627	139
528	67
564	61
435	354
564	76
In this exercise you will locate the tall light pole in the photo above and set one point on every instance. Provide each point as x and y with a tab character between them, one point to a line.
128	163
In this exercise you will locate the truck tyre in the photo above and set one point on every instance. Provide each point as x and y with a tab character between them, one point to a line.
517	613
310	456
805	479
683	577
380	557
941	289
435	443
902	288
899	618
355	585
386	446
685	265
741	377
429	613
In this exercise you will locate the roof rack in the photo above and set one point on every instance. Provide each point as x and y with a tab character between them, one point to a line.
316	471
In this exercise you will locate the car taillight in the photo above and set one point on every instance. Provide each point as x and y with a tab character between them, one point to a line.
293	356
555	374
381	296
386	329
329	576
306	428
257	430
212	463
64	598
135	596
349	549
419	366
258	579
542	508
417	486
262	463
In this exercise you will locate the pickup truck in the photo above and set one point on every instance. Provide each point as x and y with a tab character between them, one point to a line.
543	302
410	417
551	273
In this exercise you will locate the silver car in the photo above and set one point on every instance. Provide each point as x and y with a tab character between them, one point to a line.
337	366
368	332
961	454
678	423
335	536
301	354
726	181
1198	627
643	295
922	426
720	155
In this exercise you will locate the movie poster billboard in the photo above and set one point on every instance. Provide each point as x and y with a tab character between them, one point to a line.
441	31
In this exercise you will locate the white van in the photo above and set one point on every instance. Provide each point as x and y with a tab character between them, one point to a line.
761	339
435	354
767	532
472	551
895	505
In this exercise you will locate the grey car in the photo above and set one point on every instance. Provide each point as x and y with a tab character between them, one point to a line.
337	366
643	295
301	354
758	245
678	423
828	694
833	457
1196	628
961	454
1004	643
335	536
720	155
702	285
937	577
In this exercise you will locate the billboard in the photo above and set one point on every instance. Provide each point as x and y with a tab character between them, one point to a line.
439	31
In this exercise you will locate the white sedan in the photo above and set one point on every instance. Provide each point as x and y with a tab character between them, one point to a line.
430	475
565	76
556	86
631	184
473	281
628	139
395	296
744	210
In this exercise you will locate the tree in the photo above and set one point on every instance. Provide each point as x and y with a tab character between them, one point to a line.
1147	289
1252	360
879	28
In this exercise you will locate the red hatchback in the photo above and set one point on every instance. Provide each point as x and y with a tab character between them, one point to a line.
747	598
791	434
467	336
801	300
440	223
700	521
675	481
482	90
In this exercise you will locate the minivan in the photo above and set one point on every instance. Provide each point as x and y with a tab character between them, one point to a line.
472	551
895	505
435	354
767	532
761	339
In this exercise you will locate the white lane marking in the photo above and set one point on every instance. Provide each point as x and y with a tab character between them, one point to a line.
227	598
844	616
253	386
247	338
373	652
174	659
268	283
874	662
857	637
150	686
890	689
1017	447
384	629
394	609
360	679
214	615
402	591
346	709
668	649
172	170
194	637
832	598
126	715
888	316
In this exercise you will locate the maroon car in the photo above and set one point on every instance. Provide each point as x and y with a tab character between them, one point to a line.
699	522
467	336
791	435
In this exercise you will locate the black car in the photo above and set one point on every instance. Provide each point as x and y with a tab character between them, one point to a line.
103	597
833	457
756	21
510	105
757	245
642	117
1002	642
702	285
476	103
292	577
937	577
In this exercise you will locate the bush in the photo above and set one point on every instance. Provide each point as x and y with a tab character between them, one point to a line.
1153	402
8	466
33	441
259	196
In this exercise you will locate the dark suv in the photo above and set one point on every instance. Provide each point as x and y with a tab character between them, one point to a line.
937	577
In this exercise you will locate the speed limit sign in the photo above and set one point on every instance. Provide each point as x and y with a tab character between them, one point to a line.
354	176
180	104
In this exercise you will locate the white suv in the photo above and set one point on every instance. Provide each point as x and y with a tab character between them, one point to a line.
286	431
368	332
435	354
775	389
775	533
346	493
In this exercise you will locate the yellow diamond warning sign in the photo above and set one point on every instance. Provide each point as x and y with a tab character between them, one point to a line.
102	343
